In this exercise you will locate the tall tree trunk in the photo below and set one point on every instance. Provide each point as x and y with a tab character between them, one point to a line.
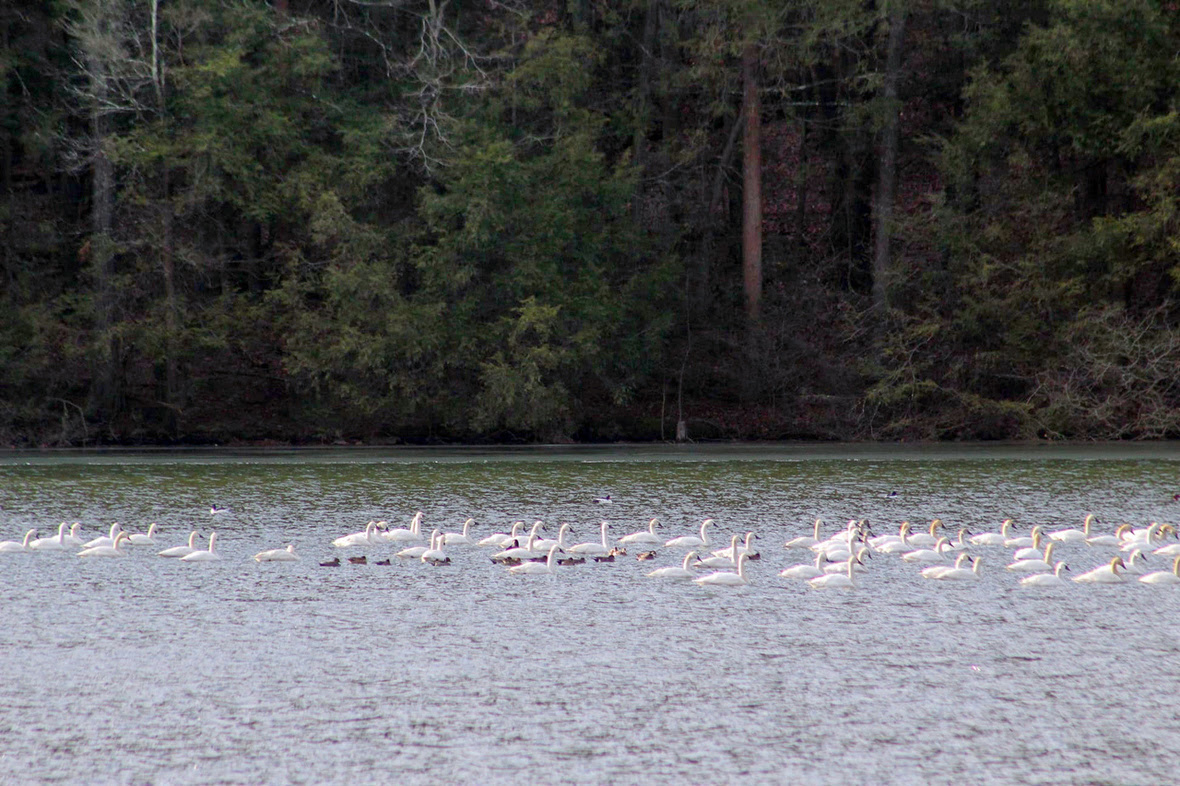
105	389
643	113
887	163
167	252
751	184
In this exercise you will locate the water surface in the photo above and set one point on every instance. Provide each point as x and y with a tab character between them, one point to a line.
149	670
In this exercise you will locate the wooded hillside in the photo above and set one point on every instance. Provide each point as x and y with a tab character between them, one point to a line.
498	220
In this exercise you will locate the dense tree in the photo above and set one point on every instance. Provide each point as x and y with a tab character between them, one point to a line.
456	219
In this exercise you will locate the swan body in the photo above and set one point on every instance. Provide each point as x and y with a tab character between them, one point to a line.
412	534
18	546
673	572
804	542
936	571
435	554
534	568
883	541
1033	551
105	540
692	541
643	537
928	539
278	555
1042	564
717	560
183	551
204	555
1109	540
55	543
1104	574
366	538
805	570
416	552
1164	576
1046	579
961	573
725	578
460	538
144	539
114	550
502	539
993	538
517	552
834	580
592	549
1074	535
857	560
735	550
937	554
72	538
542	545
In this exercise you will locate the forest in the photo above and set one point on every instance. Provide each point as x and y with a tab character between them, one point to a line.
499	221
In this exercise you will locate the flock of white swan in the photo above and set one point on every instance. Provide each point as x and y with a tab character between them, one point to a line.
833	562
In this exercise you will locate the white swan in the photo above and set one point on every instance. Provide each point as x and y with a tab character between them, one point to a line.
460	538
18	546
889	544
804	542
542	545
1135	563
278	555
858	560
182	551
532	568
834	580
1074	535
416	552
673	572
993	538
517	552
106	540
367	538
403	535
114	550
1110	540
1164	576
928	539
718	561
202	555
72	538
725	578
502	539
1033	551
959	573
435	554
805	570
1040	564
643	536
592	549
692	541
1046	579
1104	574
1024	541
936	571
55	543
734	550
937	554
142	539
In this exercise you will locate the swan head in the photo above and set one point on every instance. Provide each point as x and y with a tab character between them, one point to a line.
1117	563
934	525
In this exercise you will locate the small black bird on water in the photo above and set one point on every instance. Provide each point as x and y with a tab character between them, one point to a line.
332	563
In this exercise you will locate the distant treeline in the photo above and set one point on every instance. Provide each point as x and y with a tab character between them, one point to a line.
500	220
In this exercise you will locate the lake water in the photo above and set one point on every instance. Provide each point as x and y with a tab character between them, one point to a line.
148	670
